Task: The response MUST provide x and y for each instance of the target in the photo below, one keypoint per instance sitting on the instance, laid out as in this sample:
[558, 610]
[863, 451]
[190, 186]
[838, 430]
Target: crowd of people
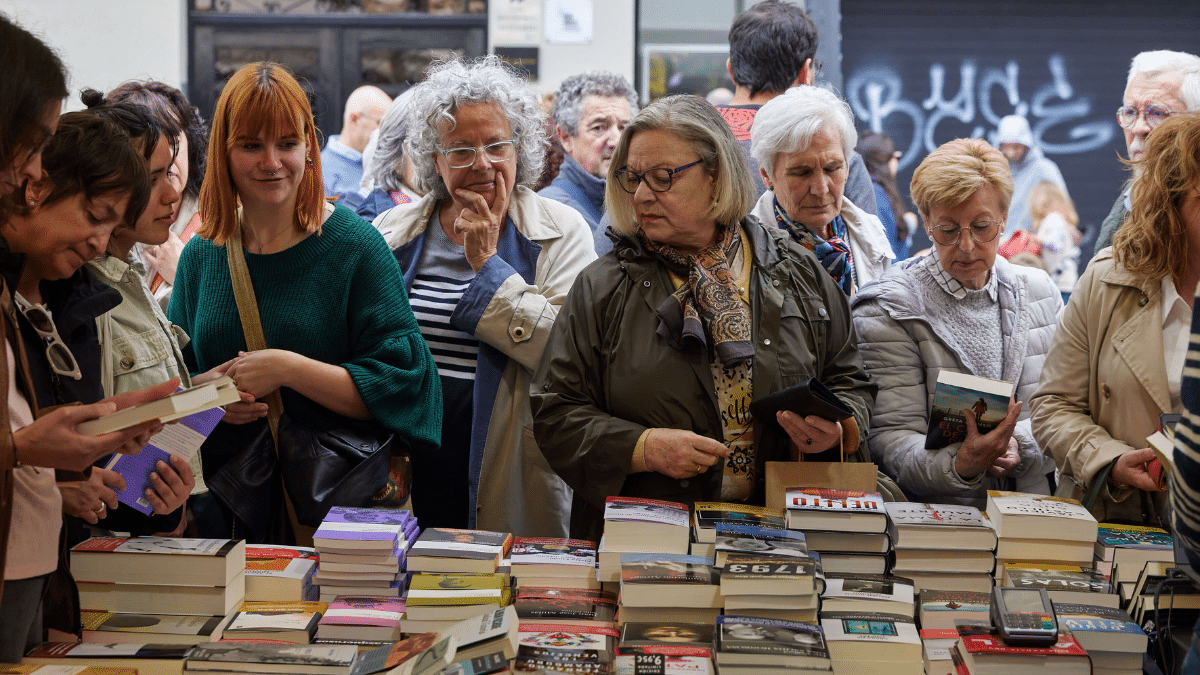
[518, 356]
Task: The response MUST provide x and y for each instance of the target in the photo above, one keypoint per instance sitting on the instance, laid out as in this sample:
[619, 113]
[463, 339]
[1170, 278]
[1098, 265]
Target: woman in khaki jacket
[1117, 358]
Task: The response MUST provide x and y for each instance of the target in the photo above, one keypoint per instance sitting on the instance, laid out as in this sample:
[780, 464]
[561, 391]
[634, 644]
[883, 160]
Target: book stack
[363, 551]
[870, 643]
[1063, 583]
[280, 573]
[1040, 528]
[158, 575]
[239, 657]
[982, 652]
[669, 587]
[491, 637]
[566, 606]
[938, 650]
[436, 602]
[1182, 599]
[707, 515]
[361, 619]
[870, 593]
[942, 547]
[1122, 551]
[1115, 643]
[144, 658]
[294, 622]
[564, 649]
[554, 563]
[776, 587]
[755, 646]
[847, 527]
[633, 525]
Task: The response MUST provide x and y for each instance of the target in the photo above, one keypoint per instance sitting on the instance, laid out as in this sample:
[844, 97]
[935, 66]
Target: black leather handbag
[346, 465]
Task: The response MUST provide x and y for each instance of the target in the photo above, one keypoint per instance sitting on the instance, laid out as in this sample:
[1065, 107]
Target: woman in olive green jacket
[697, 311]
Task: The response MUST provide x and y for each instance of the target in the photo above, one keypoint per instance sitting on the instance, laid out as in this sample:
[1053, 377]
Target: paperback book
[280, 573]
[448, 550]
[363, 617]
[377, 530]
[294, 622]
[768, 575]
[158, 560]
[766, 541]
[1067, 583]
[983, 651]
[867, 593]
[941, 609]
[707, 515]
[835, 510]
[649, 525]
[569, 649]
[745, 640]
[109, 628]
[668, 580]
[1029, 516]
[939, 526]
[958, 395]
[272, 658]
[574, 606]
[553, 557]
[1101, 629]
[657, 633]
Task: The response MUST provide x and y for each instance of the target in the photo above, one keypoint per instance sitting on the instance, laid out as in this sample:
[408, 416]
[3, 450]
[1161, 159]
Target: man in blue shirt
[342, 158]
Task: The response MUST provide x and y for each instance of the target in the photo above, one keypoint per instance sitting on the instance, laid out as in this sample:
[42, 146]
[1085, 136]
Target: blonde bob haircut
[260, 99]
[1049, 197]
[953, 173]
[1153, 241]
[695, 121]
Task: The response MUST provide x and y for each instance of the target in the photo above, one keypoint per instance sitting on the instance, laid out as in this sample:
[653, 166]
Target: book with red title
[983, 651]
[549, 557]
[810, 508]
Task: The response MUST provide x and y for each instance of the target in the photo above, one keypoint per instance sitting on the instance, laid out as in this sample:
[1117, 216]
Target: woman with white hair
[696, 312]
[387, 168]
[487, 263]
[801, 141]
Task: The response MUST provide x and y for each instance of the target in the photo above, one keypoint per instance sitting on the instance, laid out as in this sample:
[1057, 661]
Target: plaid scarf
[707, 303]
[833, 253]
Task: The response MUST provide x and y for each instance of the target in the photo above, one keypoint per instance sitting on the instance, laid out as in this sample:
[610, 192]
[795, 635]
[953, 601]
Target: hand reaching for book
[92, 498]
[682, 454]
[1130, 470]
[980, 452]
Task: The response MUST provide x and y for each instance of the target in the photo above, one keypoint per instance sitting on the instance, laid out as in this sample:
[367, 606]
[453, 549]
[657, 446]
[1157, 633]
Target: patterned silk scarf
[707, 300]
[834, 253]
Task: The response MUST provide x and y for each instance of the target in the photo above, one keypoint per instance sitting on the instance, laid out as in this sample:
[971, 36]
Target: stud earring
[310, 160]
[771, 188]
[32, 202]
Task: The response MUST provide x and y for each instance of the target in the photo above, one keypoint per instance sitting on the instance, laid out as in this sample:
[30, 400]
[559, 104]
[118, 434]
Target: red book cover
[979, 639]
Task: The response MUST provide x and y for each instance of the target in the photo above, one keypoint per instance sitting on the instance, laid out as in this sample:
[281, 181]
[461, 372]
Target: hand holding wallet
[807, 398]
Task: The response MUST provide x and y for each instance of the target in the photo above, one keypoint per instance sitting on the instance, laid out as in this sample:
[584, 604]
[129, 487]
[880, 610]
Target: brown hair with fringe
[1153, 241]
[261, 98]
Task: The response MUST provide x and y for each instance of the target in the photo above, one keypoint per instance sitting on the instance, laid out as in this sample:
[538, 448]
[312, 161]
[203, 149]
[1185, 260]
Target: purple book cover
[364, 524]
[183, 438]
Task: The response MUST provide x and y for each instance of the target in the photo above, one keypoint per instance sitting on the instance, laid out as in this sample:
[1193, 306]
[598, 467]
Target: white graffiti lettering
[876, 93]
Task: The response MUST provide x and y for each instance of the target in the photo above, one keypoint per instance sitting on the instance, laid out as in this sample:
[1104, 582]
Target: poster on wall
[516, 22]
[569, 21]
[684, 69]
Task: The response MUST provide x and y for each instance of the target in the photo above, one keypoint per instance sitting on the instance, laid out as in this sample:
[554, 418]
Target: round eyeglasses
[982, 232]
[461, 158]
[1127, 115]
[658, 180]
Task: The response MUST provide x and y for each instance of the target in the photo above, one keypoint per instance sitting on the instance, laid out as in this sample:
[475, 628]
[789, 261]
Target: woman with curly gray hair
[487, 264]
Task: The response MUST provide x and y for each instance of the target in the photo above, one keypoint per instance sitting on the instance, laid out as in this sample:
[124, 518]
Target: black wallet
[806, 398]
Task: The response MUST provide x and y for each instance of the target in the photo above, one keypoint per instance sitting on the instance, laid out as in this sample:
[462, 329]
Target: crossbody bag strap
[243, 293]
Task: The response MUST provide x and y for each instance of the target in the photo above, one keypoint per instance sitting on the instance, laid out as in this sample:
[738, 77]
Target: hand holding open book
[54, 441]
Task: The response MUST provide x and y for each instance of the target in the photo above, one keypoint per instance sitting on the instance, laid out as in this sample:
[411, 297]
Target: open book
[219, 392]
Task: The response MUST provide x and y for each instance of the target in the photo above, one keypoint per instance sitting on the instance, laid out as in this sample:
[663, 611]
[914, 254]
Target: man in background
[1160, 84]
[771, 49]
[342, 158]
[1028, 165]
[590, 112]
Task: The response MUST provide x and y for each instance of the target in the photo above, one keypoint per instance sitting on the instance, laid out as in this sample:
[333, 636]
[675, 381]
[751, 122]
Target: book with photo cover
[649, 633]
[706, 516]
[1101, 629]
[566, 605]
[768, 575]
[807, 398]
[456, 589]
[110, 628]
[941, 609]
[669, 580]
[272, 658]
[753, 641]
[868, 593]
[420, 654]
[551, 557]
[959, 394]
[733, 539]
[982, 648]
[871, 636]
[440, 549]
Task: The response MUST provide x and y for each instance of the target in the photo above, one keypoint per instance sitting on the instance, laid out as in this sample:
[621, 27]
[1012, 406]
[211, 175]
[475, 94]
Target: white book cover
[1001, 504]
[646, 510]
[839, 501]
[869, 587]
[869, 627]
[947, 515]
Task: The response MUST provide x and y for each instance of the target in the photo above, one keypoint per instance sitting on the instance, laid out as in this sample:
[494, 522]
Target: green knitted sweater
[337, 297]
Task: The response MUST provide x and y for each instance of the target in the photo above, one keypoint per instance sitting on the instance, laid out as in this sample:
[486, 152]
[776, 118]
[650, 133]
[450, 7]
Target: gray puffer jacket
[904, 343]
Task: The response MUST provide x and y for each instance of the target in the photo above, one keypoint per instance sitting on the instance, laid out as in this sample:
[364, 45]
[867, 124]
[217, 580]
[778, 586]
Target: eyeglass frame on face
[959, 230]
[641, 177]
[475, 153]
[55, 340]
[1124, 111]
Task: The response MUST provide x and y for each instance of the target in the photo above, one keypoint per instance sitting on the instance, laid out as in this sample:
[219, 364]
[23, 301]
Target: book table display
[837, 582]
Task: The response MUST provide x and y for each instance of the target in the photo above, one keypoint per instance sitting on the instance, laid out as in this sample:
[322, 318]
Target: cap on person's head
[1014, 129]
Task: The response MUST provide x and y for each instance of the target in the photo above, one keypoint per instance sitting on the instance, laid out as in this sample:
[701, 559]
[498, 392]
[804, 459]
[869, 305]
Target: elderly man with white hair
[1160, 84]
[342, 158]
[1029, 167]
[802, 141]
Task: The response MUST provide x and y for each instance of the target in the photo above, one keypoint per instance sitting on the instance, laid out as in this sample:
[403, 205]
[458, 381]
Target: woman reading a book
[342, 345]
[962, 309]
[489, 262]
[696, 312]
[1117, 360]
